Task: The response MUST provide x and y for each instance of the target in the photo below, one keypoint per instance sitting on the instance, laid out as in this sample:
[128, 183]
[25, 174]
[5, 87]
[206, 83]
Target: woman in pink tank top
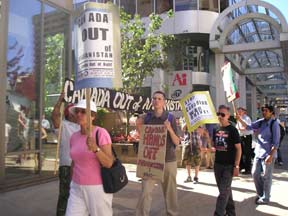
[87, 196]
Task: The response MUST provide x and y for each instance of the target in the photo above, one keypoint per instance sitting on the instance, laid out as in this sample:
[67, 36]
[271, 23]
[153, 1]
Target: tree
[54, 46]
[142, 49]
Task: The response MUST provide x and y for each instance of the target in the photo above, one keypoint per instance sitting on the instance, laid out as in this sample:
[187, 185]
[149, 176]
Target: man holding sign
[160, 117]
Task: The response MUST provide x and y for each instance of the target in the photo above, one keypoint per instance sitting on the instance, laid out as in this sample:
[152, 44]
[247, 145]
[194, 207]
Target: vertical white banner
[97, 46]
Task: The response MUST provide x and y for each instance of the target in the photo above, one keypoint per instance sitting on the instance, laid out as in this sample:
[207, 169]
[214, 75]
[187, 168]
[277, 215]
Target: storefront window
[211, 5]
[163, 6]
[196, 58]
[181, 5]
[21, 94]
[33, 60]
[56, 33]
[129, 6]
[145, 7]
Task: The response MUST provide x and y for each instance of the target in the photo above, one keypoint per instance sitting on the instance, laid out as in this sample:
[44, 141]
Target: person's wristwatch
[236, 166]
[97, 150]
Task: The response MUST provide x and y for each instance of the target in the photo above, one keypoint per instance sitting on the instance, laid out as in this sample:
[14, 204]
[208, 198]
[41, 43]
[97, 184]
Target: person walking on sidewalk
[87, 196]
[268, 136]
[169, 186]
[68, 127]
[227, 158]
[246, 141]
[193, 155]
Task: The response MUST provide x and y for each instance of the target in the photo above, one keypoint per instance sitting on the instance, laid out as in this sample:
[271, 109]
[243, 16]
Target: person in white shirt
[68, 128]
[246, 141]
[45, 123]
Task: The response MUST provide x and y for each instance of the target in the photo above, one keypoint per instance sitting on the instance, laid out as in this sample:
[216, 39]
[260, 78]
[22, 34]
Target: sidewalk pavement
[193, 199]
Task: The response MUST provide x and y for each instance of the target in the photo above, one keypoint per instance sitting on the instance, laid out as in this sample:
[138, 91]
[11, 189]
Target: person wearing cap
[169, 184]
[226, 141]
[265, 153]
[87, 196]
[246, 141]
[68, 127]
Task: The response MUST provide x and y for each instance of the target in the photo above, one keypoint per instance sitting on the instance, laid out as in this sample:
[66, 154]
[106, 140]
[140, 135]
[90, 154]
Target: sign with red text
[97, 46]
[180, 84]
[151, 152]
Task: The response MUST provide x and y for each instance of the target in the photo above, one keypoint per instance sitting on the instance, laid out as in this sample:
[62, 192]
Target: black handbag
[115, 177]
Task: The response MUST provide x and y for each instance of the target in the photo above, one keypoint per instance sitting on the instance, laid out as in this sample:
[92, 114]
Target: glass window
[129, 6]
[181, 5]
[145, 7]
[196, 58]
[22, 76]
[211, 5]
[163, 6]
[56, 34]
[26, 58]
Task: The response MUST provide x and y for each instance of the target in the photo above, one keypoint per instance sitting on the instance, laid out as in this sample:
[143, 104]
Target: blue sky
[282, 5]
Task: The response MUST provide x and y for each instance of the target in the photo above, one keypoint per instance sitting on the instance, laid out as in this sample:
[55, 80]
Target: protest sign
[228, 82]
[198, 109]
[152, 151]
[97, 46]
[116, 100]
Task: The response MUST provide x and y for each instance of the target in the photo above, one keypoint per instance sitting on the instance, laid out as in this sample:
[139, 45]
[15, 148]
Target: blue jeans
[262, 176]
[225, 204]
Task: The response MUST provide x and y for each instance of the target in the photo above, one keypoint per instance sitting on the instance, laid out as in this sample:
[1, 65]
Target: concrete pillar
[262, 99]
[220, 94]
[254, 102]
[3, 79]
[242, 101]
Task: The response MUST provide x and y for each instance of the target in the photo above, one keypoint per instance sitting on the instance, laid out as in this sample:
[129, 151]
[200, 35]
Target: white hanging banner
[97, 46]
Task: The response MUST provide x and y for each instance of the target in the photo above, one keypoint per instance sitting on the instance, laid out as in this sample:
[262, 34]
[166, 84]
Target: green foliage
[54, 46]
[100, 116]
[142, 48]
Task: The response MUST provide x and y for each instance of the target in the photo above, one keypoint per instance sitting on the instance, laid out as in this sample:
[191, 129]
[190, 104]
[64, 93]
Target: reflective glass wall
[37, 63]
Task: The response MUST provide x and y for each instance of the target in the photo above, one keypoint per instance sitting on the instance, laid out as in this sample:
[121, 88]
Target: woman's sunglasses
[221, 114]
[82, 111]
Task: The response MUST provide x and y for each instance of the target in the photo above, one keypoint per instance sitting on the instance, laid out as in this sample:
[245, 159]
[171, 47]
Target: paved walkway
[196, 200]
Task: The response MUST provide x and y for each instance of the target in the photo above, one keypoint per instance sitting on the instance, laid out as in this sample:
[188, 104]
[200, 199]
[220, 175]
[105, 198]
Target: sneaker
[262, 202]
[195, 180]
[280, 163]
[189, 179]
[256, 199]
[246, 172]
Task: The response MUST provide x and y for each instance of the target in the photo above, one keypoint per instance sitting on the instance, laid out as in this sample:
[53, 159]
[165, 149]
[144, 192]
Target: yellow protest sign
[198, 109]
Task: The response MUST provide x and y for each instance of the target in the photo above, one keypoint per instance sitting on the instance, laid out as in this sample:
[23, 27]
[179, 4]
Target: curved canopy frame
[253, 36]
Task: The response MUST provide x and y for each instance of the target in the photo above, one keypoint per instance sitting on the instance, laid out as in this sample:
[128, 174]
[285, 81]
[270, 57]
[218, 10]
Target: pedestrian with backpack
[265, 153]
[282, 134]
[169, 184]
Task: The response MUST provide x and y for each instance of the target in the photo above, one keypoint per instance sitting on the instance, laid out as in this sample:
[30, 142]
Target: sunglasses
[82, 111]
[221, 114]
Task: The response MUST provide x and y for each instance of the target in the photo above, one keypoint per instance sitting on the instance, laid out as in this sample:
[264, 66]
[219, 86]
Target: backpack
[149, 116]
[282, 130]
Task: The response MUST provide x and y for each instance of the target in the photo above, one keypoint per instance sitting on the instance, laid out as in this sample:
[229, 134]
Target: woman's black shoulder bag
[115, 177]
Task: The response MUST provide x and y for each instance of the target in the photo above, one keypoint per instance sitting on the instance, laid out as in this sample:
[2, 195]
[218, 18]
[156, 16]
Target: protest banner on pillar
[97, 46]
[229, 86]
[198, 109]
[151, 152]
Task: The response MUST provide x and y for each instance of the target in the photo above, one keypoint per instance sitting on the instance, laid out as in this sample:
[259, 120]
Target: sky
[282, 5]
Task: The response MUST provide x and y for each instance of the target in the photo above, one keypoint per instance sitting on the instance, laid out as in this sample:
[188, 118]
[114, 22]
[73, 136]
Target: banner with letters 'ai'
[97, 46]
